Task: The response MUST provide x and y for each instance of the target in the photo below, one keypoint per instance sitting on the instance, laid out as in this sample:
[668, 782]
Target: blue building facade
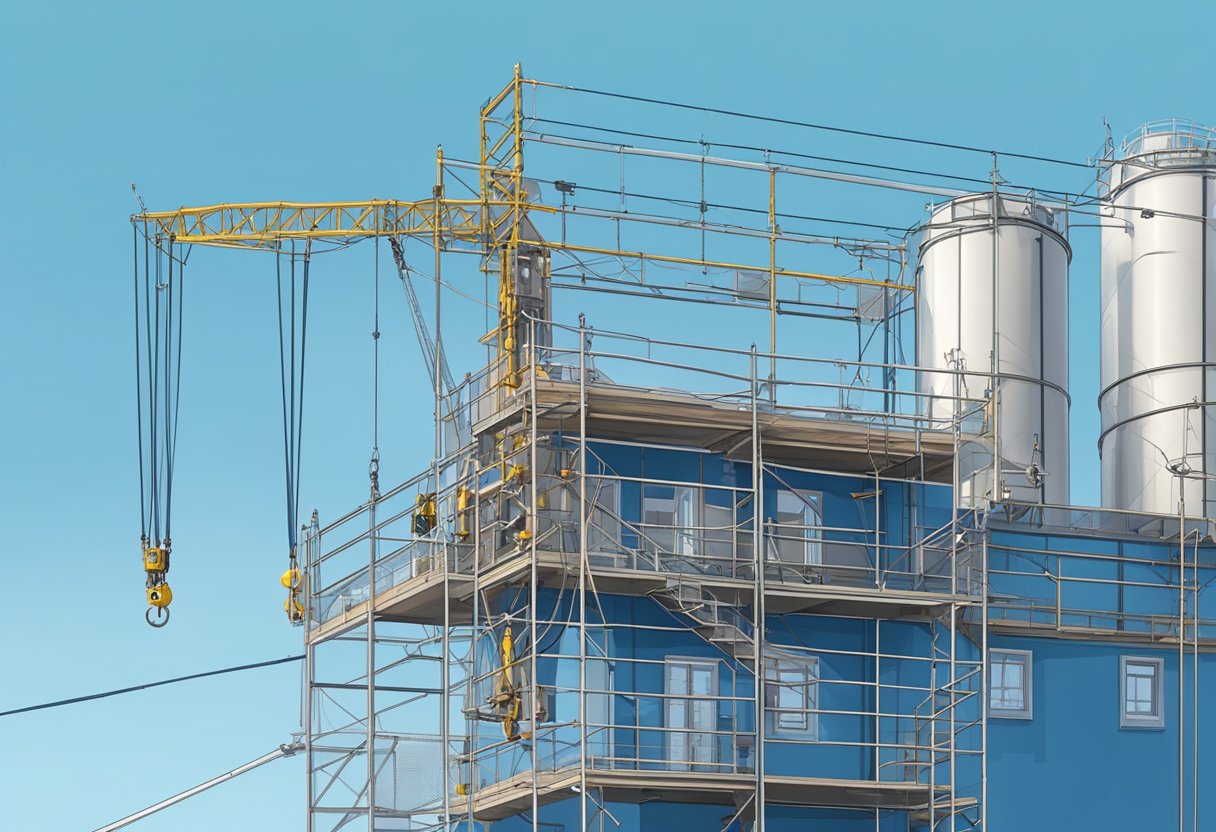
[922, 666]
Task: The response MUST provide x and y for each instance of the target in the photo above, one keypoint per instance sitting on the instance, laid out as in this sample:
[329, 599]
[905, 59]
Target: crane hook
[162, 616]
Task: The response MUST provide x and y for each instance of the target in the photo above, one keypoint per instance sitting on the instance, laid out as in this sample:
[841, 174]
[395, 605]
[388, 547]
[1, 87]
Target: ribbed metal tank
[962, 289]
[1158, 314]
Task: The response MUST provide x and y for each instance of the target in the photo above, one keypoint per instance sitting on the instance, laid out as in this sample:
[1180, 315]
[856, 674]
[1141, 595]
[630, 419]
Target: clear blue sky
[223, 101]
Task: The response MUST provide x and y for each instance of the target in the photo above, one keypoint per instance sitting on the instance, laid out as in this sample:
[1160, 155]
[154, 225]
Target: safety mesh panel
[410, 776]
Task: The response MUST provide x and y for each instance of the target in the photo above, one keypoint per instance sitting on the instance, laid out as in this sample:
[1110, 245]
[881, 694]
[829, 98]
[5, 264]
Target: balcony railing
[688, 530]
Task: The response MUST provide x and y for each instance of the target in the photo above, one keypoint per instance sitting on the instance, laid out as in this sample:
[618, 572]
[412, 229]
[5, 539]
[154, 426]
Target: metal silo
[1158, 245]
[963, 287]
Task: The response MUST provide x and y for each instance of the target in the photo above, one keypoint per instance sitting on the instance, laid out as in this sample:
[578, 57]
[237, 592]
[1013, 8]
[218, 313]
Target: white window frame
[1156, 719]
[1026, 659]
[807, 542]
[808, 668]
[686, 513]
[682, 746]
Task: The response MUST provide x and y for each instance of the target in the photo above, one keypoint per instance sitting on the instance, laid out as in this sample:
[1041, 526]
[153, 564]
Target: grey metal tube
[285, 750]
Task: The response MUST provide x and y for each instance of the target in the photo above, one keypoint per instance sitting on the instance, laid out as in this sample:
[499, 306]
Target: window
[1141, 692]
[692, 713]
[799, 522]
[793, 696]
[605, 531]
[1009, 684]
[671, 516]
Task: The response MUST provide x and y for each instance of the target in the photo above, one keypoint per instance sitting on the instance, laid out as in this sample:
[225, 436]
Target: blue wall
[1071, 766]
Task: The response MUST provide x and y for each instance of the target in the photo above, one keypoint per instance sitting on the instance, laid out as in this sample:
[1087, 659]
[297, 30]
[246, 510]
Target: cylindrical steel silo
[1158, 314]
[1001, 318]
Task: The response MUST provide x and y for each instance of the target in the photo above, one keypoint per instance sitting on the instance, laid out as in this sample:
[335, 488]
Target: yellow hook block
[294, 609]
[160, 595]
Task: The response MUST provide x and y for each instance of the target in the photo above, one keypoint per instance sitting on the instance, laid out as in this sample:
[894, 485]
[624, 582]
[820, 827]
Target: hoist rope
[291, 378]
[278, 267]
[158, 360]
[376, 358]
[151, 301]
[172, 383]
[139, 393]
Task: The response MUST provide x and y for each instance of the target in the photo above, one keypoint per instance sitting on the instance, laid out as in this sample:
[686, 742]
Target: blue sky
[201, 103]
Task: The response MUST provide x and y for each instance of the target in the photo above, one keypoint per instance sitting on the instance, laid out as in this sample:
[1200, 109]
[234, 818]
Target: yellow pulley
[292, 578]
[159, 595]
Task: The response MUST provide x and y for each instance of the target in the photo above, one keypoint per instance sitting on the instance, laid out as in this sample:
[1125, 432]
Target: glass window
[793, 696]
[691, 721]
[1141, 692]
[719, 533]
[671, 517]
[799, 526]
[1009, 684]
[604, 526]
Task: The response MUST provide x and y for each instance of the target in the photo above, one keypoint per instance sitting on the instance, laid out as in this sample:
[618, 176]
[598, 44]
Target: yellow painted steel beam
[264, 224]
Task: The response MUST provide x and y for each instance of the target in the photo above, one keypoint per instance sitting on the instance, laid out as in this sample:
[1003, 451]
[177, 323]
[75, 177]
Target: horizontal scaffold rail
[265, 224]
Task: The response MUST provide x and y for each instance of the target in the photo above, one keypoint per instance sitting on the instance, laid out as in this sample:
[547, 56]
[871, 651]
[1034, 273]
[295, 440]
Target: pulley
[293, 581]
[159, 595]
[292, 578]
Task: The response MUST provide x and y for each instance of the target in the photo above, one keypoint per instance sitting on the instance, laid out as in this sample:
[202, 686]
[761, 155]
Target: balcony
[643, 536]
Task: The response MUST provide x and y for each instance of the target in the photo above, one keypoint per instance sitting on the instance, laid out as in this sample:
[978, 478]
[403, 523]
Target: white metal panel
[1156, 322]
[960, 327]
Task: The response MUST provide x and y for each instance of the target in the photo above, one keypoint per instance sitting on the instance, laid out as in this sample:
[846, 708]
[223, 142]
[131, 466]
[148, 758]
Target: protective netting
[411, 779]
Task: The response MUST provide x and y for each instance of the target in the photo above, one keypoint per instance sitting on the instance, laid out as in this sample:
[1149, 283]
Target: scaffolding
[547, 510]
[463, 659]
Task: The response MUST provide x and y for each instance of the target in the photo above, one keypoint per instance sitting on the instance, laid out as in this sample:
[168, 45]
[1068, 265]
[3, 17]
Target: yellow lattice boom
[266, 224]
